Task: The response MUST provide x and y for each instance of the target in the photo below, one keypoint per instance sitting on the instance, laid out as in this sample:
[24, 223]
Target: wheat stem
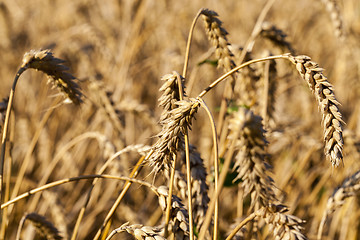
[101, 171]
[188, 170]
[222, 177]
[243, 222]
[188, 44]
[321, 226]
[34, 140]
[220, 79]
[73, 179]
[171, 188]
[126, 187]
[5, 130]
[216, 164]
[4, 222]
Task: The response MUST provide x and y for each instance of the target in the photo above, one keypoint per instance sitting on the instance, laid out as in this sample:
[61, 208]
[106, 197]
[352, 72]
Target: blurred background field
[119, 50]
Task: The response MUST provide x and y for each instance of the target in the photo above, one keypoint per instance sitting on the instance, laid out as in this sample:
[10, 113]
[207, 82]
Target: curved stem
[74, 179]
[31, 148]
[169, 199]
[222, 177]
[126, 187]
[188, 168]
[245, 221]
[101, 171]
[189, 42]
[5, 130]
[321, 226]
[220, 79]
[216, 165]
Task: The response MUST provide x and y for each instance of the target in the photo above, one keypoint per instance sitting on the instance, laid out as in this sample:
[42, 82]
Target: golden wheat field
[246, 112]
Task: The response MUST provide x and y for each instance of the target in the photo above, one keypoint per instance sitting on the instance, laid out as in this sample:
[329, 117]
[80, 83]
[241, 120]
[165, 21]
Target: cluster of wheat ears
[226, 190]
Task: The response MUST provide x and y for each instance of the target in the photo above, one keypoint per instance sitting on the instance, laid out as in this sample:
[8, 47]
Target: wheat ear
[331, 117]
[44, 227]
[246, 129]
[43, 61]
[350, 187]
[282, 225]
[170, 136]
[179, 220]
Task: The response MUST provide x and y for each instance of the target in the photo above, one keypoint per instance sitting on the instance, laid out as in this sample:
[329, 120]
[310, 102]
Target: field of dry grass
[114, 116]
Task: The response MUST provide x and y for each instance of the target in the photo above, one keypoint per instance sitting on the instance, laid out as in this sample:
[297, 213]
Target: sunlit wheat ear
[336, 18]
[45, 228]
[277, 36]
[282, 225]
[350, 187]
[217, 36]
[43, 60]
[331, 117]
[173, 129]
[179, 217]
[170, 93]
[247, 130]
[139, 231]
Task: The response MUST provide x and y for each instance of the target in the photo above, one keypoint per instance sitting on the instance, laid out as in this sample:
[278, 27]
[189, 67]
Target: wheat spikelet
[170, 95]
[139, 231]
[217, 36]
[170, 137]
[247, 130]
[282, 225]
[43, 60]
[277, 36]
[336, 18]
[331, 116]
[179, 217]
[45, 228]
